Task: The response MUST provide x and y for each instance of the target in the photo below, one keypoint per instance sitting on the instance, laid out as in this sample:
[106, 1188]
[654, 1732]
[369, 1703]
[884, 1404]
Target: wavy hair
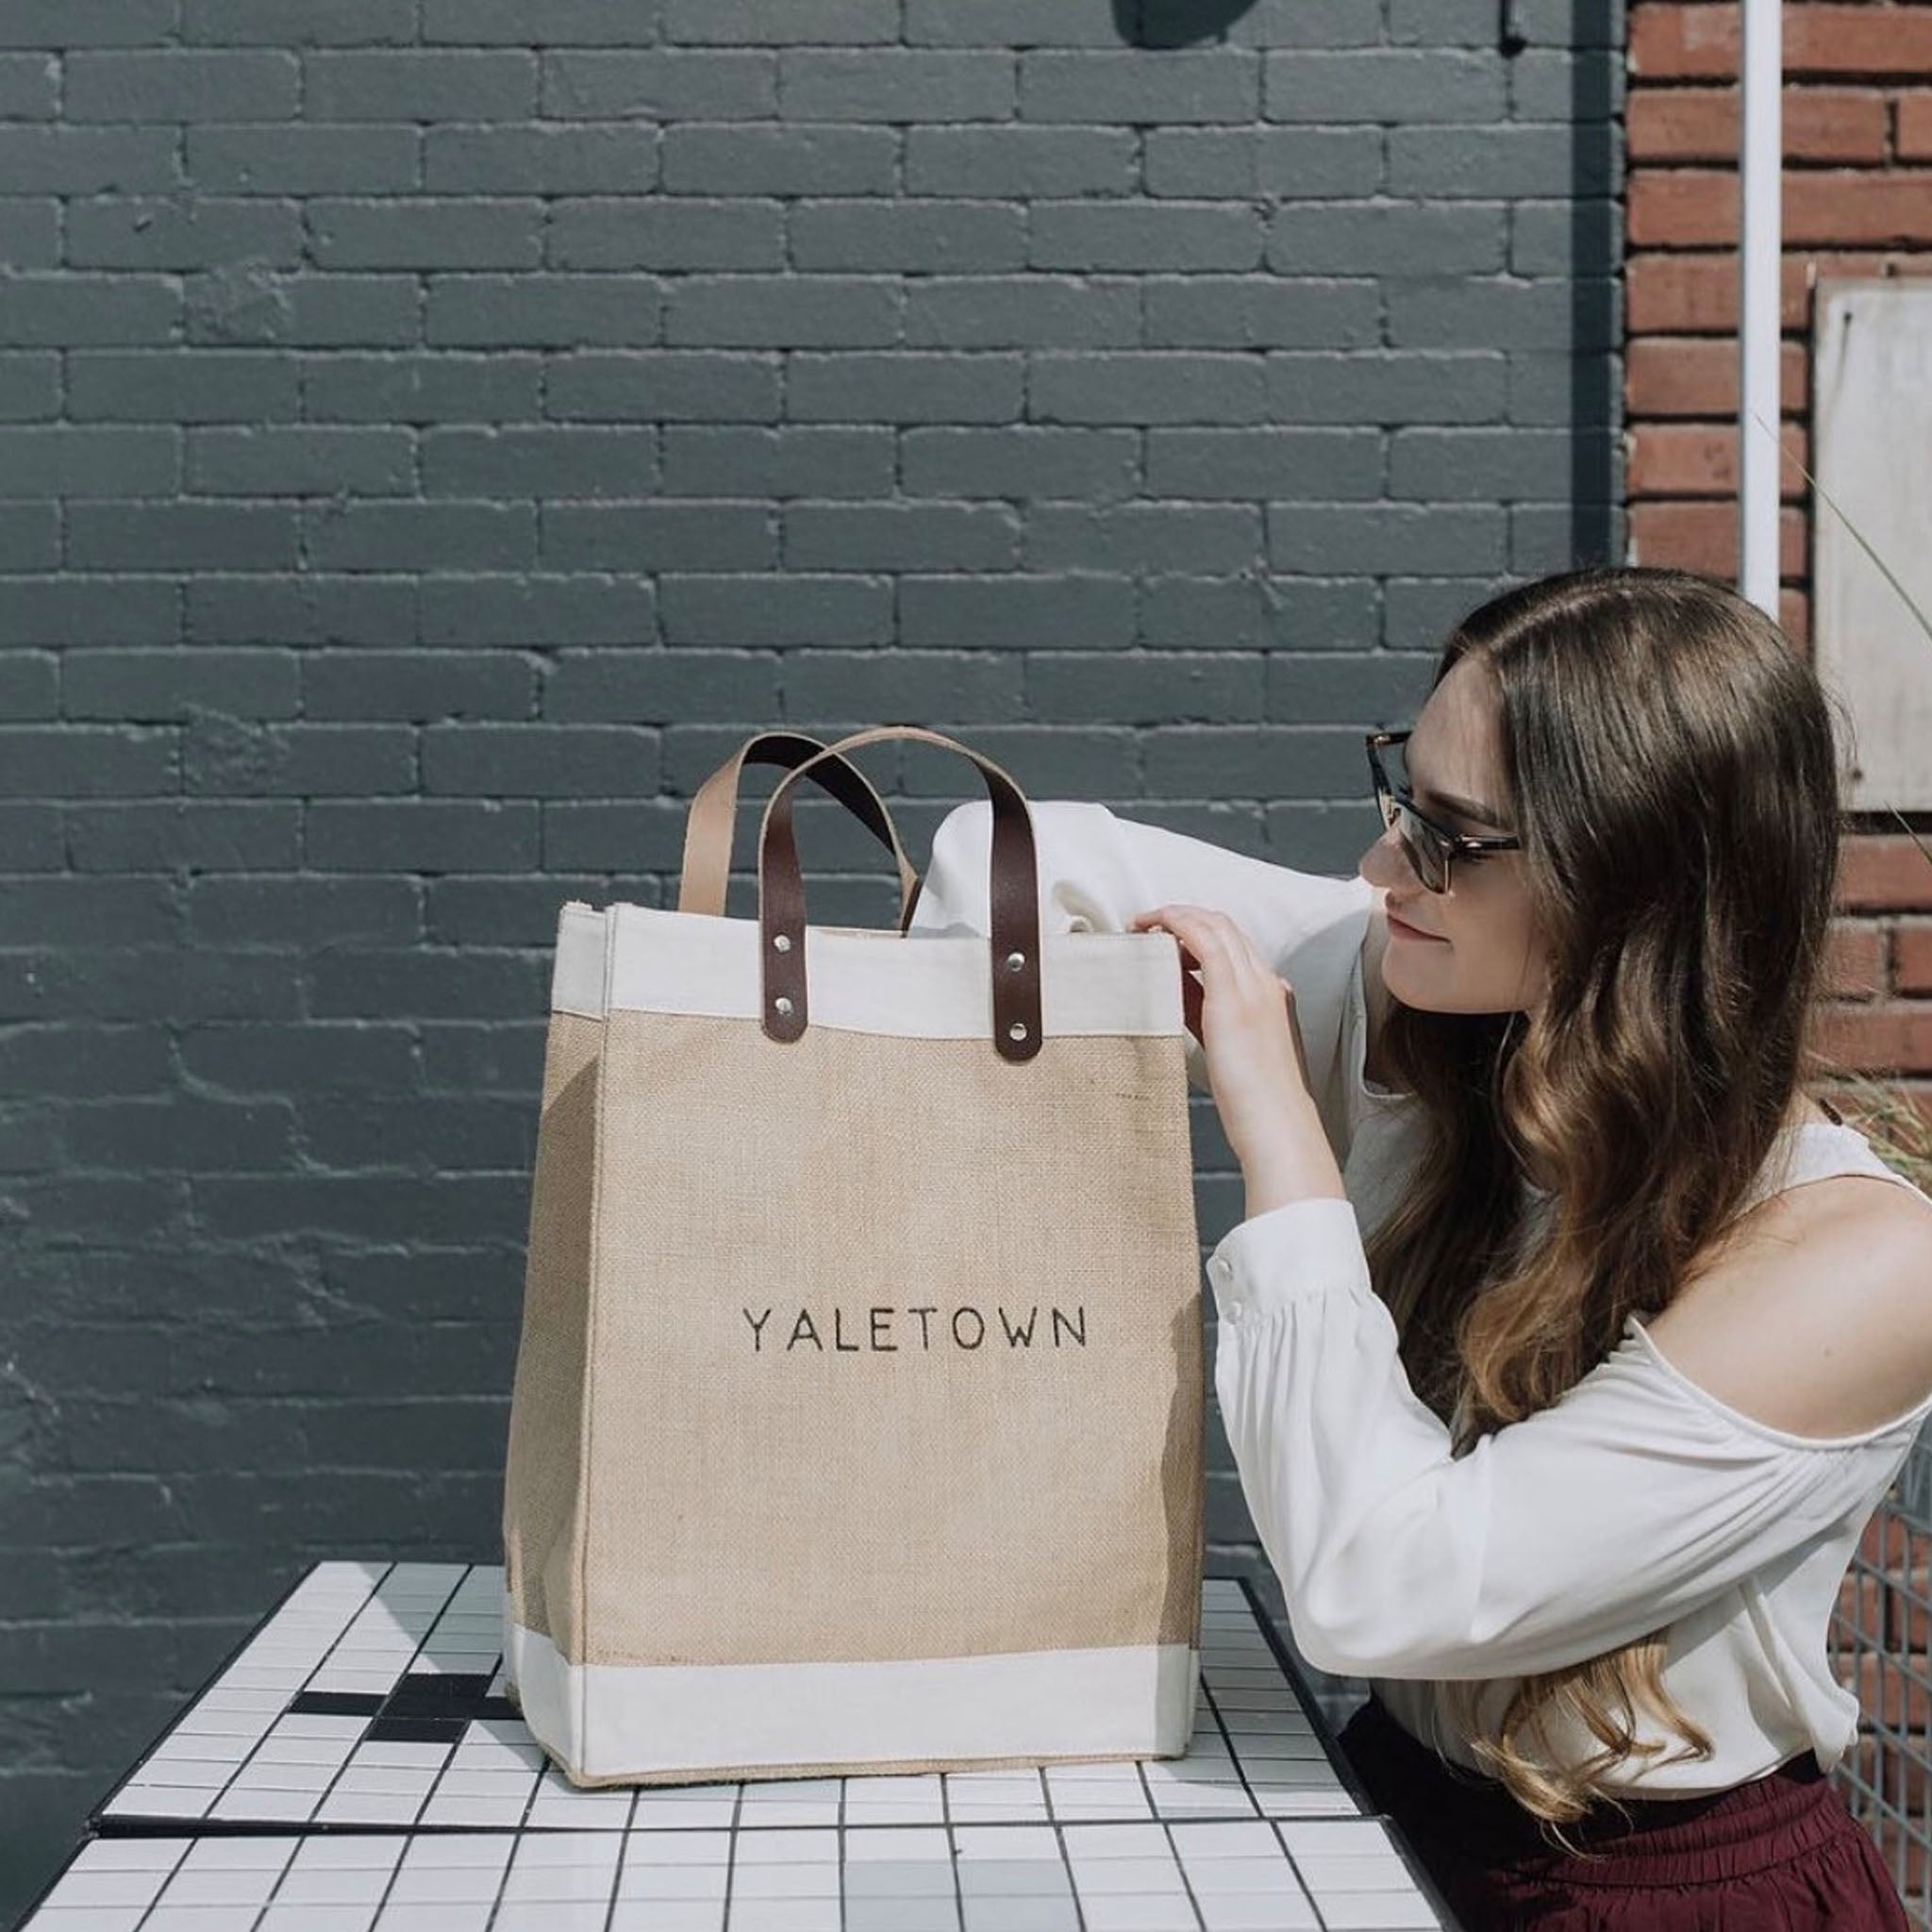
[1670, 764]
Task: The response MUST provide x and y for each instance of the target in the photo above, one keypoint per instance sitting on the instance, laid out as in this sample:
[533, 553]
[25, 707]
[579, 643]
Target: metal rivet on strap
[1015, 960]
[783, 943]
[784, 1006]
[1017, 1030]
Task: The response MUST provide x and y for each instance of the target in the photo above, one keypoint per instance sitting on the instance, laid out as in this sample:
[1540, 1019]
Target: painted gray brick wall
[433, 432]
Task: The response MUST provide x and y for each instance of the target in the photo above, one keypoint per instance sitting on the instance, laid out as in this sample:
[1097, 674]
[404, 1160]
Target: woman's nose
[1383, 864]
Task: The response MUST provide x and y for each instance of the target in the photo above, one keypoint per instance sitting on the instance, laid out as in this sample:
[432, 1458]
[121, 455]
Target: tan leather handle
[1013, 896]
[710, 826]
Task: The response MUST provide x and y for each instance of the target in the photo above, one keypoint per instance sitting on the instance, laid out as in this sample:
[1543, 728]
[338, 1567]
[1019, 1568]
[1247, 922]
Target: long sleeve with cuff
[1627, 1503]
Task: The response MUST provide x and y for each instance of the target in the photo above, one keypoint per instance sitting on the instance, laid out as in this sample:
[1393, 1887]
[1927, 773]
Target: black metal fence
[1879, 1639]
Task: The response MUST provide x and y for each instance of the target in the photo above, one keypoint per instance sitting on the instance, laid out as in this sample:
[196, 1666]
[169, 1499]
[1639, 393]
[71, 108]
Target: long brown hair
[1669, 763]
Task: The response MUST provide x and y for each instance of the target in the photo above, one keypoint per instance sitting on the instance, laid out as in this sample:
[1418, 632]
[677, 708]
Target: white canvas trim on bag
[626, 1720]
[576, 974]
[925, 986]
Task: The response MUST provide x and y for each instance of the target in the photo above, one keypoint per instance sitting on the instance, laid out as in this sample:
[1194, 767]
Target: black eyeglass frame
[1448, 844]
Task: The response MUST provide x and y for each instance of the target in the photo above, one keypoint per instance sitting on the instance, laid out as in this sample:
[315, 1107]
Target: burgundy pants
[1781, 1854]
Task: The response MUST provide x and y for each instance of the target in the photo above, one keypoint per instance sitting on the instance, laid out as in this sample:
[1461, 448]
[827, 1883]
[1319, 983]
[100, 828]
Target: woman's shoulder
[1815, 1317]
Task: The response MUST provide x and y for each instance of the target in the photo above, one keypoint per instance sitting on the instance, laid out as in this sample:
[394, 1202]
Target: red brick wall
[1857, 200]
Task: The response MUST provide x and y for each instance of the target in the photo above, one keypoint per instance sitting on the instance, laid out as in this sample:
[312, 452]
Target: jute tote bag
[856, 1423]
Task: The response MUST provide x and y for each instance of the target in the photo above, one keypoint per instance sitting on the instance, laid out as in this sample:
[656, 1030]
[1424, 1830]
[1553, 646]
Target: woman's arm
[1625, 1503]
[1097, 870]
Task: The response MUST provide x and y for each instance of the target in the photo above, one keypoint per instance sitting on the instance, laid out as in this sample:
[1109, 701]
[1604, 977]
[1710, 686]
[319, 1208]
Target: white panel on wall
[1871, 422]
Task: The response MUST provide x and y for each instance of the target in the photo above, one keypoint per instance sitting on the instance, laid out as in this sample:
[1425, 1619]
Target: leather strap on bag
[712, 823]
[1013, 896]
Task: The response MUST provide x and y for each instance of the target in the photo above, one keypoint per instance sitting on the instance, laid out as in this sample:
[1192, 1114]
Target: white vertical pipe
[1760, 244]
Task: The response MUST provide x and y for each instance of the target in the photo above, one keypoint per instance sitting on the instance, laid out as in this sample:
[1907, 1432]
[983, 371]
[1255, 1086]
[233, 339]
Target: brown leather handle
[712, 823]
[1013, 896]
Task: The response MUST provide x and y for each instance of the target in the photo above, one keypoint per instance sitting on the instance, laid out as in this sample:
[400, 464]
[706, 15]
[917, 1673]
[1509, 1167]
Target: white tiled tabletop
[301, 1730]
[357, 1768]
[1253, 1876]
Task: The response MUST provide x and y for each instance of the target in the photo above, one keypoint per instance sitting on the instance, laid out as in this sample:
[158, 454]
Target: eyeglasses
[1428, 846]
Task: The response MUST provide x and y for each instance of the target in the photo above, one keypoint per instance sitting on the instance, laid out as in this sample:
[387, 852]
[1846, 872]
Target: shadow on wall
[1595, 274]
[1175, 23]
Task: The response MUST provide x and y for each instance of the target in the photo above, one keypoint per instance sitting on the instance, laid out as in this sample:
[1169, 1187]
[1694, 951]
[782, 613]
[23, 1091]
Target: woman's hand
[1242, 1013]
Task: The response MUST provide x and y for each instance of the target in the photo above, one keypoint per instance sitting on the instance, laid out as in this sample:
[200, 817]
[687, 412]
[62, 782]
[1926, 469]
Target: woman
[1570, 1458]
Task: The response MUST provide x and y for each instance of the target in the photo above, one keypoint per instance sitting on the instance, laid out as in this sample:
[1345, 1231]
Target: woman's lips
[1402, 929]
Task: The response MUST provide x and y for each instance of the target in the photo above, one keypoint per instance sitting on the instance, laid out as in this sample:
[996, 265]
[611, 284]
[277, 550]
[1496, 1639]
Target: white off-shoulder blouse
[1636, 1502]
